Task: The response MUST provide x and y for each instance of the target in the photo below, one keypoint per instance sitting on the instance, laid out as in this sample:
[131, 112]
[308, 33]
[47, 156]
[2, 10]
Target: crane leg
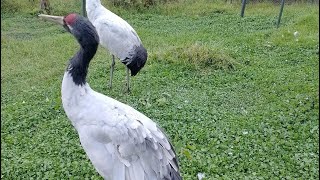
[128, 81]
[111, 71]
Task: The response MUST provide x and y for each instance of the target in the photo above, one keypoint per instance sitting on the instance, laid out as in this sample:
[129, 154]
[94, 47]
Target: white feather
[118, 171]
[115, 33]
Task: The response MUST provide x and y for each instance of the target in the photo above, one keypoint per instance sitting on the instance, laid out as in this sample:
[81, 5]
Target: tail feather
[175, 175]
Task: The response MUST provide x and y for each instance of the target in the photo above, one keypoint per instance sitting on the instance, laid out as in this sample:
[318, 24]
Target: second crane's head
[137, 60]
[79, 26]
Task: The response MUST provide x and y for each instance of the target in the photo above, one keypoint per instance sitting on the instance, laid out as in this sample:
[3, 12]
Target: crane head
[137, 61]
[79, 26]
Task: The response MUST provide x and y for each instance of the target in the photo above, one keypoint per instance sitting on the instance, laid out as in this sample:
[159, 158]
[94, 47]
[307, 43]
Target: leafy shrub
[59, 7]
[139, 3]
[198, 56]
[12, 6]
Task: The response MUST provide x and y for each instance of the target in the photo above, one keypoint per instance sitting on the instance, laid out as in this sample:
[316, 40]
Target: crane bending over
[121, 142]
[118, 37]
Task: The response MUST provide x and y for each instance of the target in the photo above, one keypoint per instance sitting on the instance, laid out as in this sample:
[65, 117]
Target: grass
[238, 97]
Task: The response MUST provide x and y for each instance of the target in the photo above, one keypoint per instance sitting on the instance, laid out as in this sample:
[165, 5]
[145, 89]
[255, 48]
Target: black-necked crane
[118, 37]
[121, 142]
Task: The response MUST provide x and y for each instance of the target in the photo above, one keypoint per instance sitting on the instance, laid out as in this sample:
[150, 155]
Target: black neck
[79, 63]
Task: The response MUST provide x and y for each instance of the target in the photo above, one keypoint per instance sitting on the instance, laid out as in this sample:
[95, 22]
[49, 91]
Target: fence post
[83, 8]
[281, 9]
[244, 2]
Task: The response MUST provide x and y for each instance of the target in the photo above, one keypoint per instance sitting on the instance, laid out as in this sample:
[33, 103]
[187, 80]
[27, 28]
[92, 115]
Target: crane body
[118, 37]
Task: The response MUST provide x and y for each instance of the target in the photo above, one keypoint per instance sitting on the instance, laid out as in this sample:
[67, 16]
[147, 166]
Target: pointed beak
[55, 19]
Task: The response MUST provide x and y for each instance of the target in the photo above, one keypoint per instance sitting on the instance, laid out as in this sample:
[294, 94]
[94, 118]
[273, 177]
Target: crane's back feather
[115, 33]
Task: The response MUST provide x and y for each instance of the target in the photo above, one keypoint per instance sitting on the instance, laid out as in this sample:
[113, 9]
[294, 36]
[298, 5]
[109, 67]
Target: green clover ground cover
[238, 97]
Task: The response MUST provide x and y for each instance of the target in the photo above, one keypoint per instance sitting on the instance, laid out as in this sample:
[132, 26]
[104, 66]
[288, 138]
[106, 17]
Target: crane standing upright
[121, 142]
[118, 37]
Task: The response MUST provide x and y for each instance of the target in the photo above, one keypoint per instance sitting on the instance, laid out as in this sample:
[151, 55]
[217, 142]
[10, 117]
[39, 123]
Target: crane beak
[55, 19]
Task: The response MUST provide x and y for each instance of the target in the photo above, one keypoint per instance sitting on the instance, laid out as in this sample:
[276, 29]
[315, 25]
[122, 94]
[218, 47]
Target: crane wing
[134, 145]
[117, 36]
